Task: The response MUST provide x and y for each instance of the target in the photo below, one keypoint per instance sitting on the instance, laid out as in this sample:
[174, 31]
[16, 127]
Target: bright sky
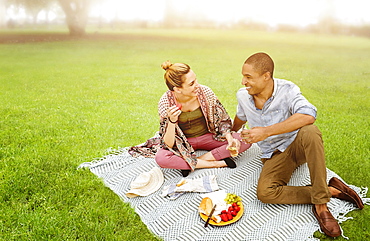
[273, 12]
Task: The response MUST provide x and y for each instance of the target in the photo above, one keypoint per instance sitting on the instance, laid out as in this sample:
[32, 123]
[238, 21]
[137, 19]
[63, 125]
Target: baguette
[206, 206]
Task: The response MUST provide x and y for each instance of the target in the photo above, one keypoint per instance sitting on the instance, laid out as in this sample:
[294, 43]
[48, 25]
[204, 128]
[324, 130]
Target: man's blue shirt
[285, 101]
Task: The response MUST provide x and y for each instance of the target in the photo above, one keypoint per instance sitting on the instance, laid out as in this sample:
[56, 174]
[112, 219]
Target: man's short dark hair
[261, 63]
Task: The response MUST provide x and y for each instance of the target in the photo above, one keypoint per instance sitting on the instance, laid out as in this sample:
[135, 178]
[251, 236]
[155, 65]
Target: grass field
[67, 102]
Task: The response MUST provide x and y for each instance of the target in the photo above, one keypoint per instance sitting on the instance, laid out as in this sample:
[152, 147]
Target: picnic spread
[177, 208]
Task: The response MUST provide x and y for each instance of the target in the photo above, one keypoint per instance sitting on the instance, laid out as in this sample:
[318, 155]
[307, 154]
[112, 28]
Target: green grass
[64, 103]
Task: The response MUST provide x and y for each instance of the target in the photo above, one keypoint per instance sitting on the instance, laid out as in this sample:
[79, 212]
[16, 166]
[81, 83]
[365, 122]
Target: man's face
[253, 81]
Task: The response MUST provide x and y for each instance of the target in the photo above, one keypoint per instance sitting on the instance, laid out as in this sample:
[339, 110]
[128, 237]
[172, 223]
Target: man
[281, 121]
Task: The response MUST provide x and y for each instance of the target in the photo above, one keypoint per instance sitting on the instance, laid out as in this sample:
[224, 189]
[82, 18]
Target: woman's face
[190, 84]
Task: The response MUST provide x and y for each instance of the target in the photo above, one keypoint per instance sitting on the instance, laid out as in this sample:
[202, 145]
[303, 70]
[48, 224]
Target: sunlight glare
[272, 12]
[130, 10]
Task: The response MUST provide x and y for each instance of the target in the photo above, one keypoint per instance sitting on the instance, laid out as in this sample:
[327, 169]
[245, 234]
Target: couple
[281, 123]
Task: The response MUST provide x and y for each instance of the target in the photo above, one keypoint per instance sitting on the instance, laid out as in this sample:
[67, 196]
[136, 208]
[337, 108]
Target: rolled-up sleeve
[300, 104]
[240, 111]
[308, 110]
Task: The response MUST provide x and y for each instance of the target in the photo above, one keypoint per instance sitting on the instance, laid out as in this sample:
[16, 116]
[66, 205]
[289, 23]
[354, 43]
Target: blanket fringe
[108, 153]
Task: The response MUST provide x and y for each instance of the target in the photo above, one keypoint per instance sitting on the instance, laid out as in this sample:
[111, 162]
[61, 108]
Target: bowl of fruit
[232, 210]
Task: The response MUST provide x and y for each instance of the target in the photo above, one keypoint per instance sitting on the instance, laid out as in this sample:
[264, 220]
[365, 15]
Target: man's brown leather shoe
[327, 222]
[347, 193]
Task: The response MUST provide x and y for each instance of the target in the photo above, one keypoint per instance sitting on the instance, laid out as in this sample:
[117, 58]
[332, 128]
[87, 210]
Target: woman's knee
[162, 158]
[167, 159]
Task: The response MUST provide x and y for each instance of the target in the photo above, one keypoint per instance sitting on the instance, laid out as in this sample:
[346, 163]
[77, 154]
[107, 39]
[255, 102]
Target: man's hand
[293, 123]
[254, 135]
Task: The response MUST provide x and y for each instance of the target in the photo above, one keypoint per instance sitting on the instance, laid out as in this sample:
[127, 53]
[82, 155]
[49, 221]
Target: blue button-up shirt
[285, 101]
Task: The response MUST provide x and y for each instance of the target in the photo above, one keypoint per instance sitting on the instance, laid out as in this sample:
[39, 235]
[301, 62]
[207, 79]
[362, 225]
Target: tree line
[77, 15]
[76, 11]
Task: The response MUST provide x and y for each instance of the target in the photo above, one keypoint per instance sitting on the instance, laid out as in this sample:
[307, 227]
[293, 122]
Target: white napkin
[203, 184]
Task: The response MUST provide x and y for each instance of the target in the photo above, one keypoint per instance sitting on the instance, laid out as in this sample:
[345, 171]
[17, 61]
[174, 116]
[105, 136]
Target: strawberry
[234, 205]
[223, 211]
[231, 208]
[229, 216]
[233, 213]
[237, 209]
[224, 217]
[179, 106]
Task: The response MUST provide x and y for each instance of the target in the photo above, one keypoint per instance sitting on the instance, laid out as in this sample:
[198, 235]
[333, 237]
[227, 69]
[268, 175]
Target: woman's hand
[233, 147]
[173, 113]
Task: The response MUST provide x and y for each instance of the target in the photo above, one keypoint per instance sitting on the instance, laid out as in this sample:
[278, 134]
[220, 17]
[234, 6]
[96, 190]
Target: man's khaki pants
[277, 171]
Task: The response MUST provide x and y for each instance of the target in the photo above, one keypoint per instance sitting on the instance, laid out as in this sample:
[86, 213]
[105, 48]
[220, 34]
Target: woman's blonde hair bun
[174, 73]
[166, 65]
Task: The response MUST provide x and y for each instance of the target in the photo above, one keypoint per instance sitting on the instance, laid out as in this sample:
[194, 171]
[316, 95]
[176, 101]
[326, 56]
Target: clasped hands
[248, 136]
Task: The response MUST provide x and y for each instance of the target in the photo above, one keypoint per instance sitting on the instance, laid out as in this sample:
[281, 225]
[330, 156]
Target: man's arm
[294, 122]
[237, 124]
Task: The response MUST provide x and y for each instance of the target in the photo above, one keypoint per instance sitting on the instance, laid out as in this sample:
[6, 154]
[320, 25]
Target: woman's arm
[170, 132]
[169, 136]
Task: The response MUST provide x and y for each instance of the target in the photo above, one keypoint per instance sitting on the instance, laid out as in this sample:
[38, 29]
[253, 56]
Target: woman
[192, 118]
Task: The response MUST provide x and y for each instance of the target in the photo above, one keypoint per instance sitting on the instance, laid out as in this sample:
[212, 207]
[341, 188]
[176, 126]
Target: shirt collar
[273, 92]
[275, 88]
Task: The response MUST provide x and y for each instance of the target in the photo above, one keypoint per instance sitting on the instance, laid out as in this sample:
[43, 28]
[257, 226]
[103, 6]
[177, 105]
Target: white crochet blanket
[179, 219]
